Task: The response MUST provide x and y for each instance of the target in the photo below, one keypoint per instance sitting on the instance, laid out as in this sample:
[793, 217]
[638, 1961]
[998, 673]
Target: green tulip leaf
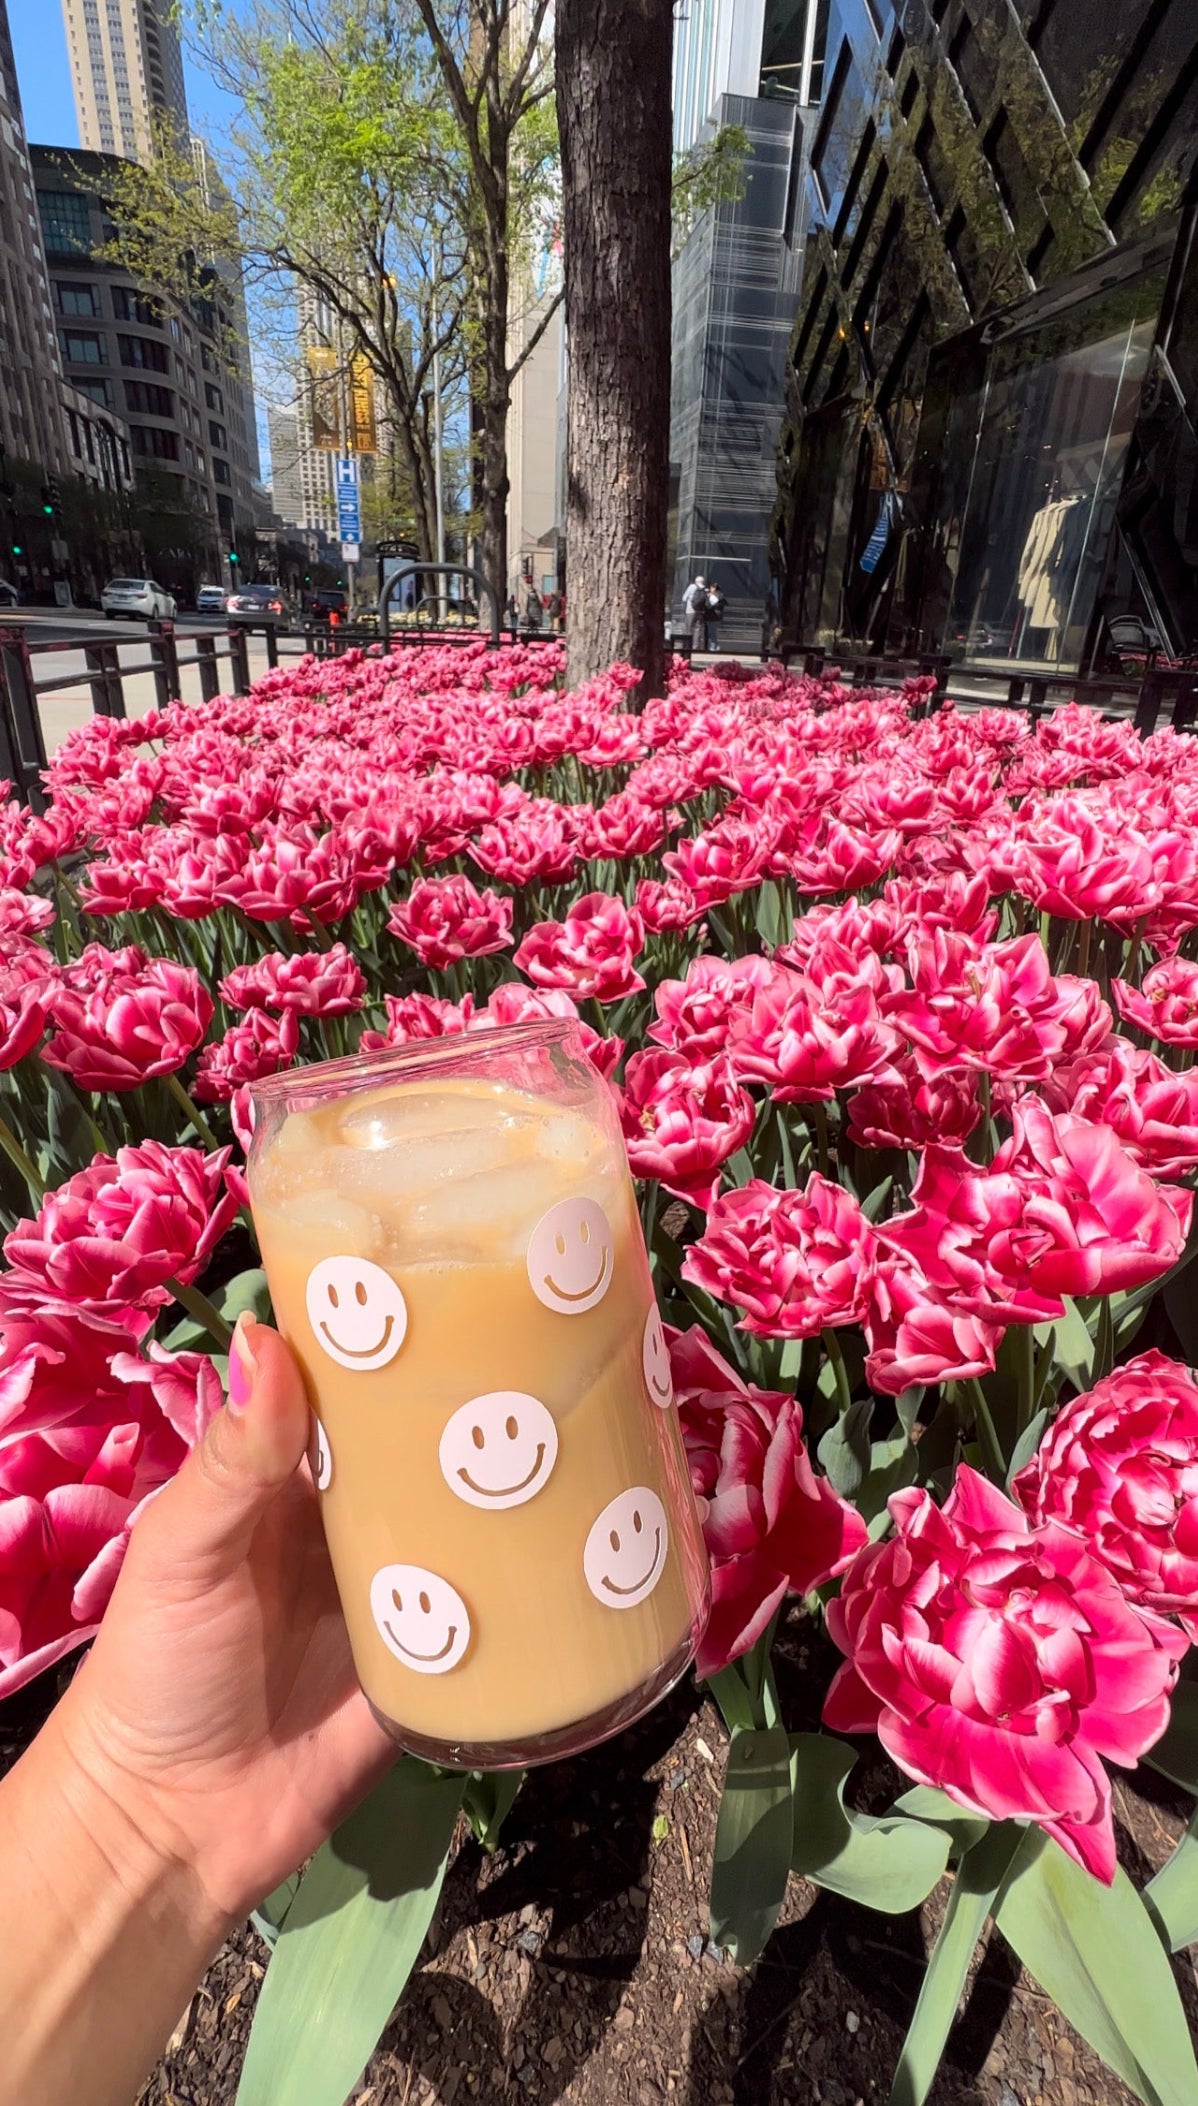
[488, 1800]
[270, 1915]
[924, 1803]
[979, 1877]
[754, 1831]
[1172, 1897]
[1175, 1754]
[349, 1941]
[1074, 1347]
[844, 1451]
[246, 1290]
[887, 1862]
[1027, 1444]
[1095, 1951]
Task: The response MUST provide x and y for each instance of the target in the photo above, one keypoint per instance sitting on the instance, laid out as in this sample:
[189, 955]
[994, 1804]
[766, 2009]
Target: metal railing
[1143, 695]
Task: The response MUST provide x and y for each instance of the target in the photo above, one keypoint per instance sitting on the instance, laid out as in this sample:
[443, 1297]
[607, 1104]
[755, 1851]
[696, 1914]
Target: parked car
[9, 596]
[325, 601]
[259, 607]
[140, 599]
[210, 599]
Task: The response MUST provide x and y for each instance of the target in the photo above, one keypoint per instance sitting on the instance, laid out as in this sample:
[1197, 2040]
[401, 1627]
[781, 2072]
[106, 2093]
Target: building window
[221, 472]
[66, 222]
[149, 440]
[143, 351]
[149, 400]
[217, 435]
[131, 306]
[83, 347]
[212, 397]
[96, 390]
[77, 299]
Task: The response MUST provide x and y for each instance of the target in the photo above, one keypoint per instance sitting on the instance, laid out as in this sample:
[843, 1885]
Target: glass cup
[455, 1256]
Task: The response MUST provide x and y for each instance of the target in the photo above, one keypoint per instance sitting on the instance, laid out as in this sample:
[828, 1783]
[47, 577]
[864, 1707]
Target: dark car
[258, 607]
[326, 601]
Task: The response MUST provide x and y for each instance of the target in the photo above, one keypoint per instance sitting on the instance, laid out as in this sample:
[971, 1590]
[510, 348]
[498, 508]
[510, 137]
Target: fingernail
[242, 1365]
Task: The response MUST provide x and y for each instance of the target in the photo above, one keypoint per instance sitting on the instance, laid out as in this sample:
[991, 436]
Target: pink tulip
[259, 1045]
[535, 848]
[23, 913]
[22, 1015]
[796, 1262]
[117, 1022]
[1082, 870]
[997, 1008]
[772, 1527]
[682, 1122]
[918, 1334]
[590, 953]
[309, 983]
[624, 827]
[694, 1016]
[114, 1234]
[671, 905]
[1152, 1109]
[444, 919]
[902, 1109]
[513, 1003]
[1165, 1004]
[1000, 1663]
[727, 859]
[1120, 1468]
[808, 1042]
[417, 1016]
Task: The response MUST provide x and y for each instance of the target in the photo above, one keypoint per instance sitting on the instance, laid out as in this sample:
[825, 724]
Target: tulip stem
[192, 1113]
[199, 1306]
[821, 1137]
[988, 1441]
[17, 1156]
[1027, 1376]
[844, 1394]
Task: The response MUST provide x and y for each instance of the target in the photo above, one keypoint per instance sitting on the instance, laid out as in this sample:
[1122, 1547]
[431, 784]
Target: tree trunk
[493, 436]
[614, 116]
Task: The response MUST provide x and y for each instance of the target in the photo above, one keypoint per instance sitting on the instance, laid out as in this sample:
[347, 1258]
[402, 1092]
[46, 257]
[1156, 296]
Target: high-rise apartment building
[236, 385]
[127, 71]
[31, 426]
[287, 490]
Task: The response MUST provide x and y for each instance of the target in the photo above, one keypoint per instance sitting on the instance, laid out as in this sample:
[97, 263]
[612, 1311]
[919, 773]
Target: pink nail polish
[242, 1365]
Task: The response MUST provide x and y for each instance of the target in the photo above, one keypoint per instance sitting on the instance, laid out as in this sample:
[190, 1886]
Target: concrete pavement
[70, 706]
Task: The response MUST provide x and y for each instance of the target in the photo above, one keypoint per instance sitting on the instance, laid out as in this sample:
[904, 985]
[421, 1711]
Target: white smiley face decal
[320, 1456]
[571, 1256]
[419, 1617]
[626, 1549]
[357, 1312]
[498, 1450]
[655, 1359]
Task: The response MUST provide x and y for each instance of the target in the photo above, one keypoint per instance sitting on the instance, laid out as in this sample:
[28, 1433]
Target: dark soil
[574, 1965]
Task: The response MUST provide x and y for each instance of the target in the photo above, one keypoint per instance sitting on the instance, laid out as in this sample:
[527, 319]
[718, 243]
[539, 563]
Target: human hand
[219, 1708]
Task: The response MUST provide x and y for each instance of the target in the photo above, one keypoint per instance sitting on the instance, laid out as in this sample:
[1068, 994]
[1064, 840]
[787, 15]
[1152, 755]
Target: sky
[44, 73]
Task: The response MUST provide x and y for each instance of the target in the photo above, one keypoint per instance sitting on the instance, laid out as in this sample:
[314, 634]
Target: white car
[138, 598]
[210, 599]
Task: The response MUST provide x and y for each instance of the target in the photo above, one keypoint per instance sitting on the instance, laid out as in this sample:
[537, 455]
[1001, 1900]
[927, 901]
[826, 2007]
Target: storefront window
[1058, 407]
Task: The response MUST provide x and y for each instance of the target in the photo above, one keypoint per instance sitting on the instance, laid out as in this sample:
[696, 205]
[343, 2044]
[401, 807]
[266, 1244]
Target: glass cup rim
[319, 1079]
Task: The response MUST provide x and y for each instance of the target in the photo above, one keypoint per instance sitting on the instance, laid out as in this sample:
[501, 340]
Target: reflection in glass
[1057, 415]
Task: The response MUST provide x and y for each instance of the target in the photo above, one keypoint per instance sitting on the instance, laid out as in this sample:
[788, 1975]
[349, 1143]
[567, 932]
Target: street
[67, 707]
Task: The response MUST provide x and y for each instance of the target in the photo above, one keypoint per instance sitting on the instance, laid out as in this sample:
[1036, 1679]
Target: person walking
[512, 612]
[532, 611]
[716, 604]
[694, 608]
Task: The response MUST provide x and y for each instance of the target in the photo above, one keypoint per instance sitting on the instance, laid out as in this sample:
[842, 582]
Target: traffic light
[17, 549]
[51, 496]
[233, 557]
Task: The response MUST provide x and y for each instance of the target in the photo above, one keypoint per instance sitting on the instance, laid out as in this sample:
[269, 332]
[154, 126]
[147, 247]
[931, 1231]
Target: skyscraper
[31, 425]
[127, 71]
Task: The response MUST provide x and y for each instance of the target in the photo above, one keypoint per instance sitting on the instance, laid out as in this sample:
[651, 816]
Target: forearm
[104, 1937]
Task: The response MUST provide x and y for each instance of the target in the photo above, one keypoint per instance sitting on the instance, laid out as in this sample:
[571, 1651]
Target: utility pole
[438, 468]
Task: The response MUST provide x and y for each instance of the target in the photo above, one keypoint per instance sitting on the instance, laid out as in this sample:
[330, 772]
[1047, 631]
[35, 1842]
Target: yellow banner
[322, 375]
[363, 426]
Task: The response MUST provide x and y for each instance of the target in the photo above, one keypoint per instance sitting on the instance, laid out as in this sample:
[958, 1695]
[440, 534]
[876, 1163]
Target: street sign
[349, 510]
[351, 551]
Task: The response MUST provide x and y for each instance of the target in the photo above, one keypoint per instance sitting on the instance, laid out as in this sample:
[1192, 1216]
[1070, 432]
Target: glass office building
[990, 440]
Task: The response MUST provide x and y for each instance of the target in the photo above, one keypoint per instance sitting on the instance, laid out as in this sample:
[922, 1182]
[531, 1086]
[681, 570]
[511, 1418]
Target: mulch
[574, 1964]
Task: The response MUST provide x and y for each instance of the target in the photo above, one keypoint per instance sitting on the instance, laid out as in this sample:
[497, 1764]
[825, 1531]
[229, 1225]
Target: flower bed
[900, 1016]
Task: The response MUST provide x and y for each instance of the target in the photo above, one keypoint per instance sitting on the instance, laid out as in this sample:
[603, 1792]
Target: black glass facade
[990, 442]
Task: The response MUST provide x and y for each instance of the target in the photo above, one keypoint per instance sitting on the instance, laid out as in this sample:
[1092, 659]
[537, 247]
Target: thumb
[249, 1453]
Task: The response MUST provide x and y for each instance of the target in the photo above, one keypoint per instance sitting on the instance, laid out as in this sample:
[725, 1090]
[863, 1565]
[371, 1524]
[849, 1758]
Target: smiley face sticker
[626, 1548]
[571, 1255]
[356, 1311]
[498, 1450]
[420, 1618]
[655, 1360]
[320, 1456]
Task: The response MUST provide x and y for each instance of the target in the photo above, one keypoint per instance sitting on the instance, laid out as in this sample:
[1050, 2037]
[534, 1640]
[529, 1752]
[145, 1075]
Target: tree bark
[614, 117]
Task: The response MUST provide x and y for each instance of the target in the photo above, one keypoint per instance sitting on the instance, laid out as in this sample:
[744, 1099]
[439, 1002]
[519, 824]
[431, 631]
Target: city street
[75, 628]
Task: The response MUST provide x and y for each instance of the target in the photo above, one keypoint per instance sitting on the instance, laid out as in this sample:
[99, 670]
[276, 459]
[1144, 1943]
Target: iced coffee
[454, 1253]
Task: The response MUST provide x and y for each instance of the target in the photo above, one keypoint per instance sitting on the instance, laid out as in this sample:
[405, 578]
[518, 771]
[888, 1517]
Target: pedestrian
[694, 609]
[716, 605]
[532, 610]
[512, 613]
[553, 608]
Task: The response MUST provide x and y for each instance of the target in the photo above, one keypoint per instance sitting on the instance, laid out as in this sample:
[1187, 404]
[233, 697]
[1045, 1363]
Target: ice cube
[298, 1136]
[488, 1215]
[334, 1222]
[570, 1140]
[389, 1117]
